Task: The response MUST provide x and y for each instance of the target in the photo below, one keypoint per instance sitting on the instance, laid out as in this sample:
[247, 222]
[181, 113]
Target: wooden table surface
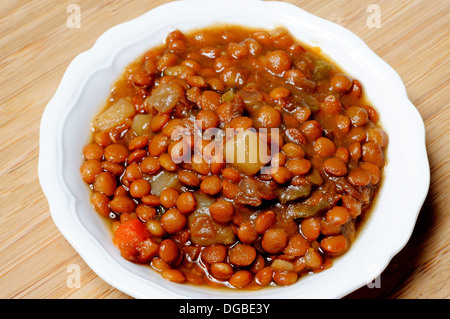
[38, 40]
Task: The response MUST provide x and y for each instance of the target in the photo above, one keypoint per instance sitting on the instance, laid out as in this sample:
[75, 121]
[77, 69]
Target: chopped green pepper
[321, 70]
[300, 210]
[292, 193]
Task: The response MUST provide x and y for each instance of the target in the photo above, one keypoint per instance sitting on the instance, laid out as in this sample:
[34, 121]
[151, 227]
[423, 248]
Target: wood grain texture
[36, 46]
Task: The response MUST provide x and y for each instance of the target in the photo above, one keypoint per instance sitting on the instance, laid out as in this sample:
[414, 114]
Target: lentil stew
[234, 157]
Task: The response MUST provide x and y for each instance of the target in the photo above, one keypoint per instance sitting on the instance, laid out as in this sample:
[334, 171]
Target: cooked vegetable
[300, 210]
[114, 116]
[142, 124]
[204, 230]
[247, 152]
[292, 193]
[165, 97]
[228, 96]
[164, 180]
[321, 69]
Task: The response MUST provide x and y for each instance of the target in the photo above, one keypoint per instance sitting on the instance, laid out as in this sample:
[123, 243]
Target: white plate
[87, 83]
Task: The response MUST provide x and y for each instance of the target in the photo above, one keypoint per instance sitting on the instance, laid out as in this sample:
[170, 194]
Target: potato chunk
[114, 116]
[247, 151]
[165, 97]
[141, 124]
[163, 180]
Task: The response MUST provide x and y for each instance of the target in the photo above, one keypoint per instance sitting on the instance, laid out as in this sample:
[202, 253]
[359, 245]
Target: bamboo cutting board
[38, 40]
